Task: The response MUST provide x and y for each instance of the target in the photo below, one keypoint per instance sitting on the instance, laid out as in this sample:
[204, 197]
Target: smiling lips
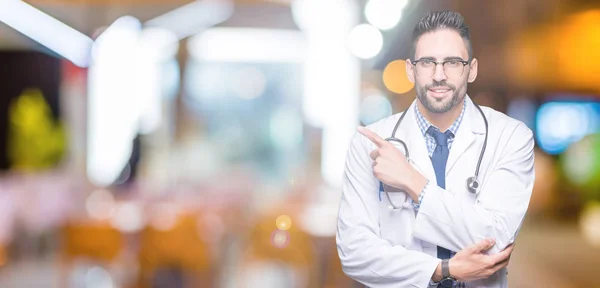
[439, 91]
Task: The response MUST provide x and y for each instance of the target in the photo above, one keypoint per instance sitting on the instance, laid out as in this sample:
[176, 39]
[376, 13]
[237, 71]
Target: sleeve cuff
[417, 205]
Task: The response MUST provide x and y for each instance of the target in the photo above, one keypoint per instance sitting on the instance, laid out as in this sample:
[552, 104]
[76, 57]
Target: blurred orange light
[395, 78]
[558, 56]
[579, 52]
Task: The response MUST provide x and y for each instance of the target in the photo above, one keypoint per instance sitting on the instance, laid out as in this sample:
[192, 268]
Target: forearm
[365, 256]
[455, 218]
[454, 223]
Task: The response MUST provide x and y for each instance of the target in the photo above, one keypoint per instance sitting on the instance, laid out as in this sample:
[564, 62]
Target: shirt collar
[424, 124]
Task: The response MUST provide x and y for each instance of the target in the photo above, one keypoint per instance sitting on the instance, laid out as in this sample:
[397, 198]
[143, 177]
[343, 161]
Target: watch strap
[445, 268]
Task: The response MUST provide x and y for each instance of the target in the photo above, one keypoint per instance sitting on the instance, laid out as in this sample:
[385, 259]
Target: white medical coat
[382, 247]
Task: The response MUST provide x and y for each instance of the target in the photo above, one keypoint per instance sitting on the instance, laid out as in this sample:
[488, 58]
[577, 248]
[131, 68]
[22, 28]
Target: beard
[443, 105]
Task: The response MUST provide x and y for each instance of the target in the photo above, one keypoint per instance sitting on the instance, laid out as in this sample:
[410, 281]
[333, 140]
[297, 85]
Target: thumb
[483, 245]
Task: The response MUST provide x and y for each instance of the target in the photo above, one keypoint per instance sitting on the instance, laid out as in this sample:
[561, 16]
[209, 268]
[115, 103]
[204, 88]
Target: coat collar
[471, 127]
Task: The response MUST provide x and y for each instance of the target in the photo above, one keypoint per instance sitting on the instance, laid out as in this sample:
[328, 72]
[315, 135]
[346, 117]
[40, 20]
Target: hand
[471, 264]
[391, 167]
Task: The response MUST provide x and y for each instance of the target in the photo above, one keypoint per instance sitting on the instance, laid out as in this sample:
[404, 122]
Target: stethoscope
[472, 182]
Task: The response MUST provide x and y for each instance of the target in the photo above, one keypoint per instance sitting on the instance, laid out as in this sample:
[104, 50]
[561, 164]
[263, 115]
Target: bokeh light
[365, 41]
[280, 239]
[395, 78]
[374, 107]
[581, 163]
[311, 15]
[283, 222]
[555, 122]
[100, 204]
[128, 217]
[578, 163]
[97, 277]
[164, 216]
[590, 223]
[384, 14]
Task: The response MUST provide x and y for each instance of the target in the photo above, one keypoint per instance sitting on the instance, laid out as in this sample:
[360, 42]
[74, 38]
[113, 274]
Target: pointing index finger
[376, 139]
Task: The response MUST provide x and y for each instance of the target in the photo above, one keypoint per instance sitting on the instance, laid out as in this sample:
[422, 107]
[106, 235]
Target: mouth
[439, 92]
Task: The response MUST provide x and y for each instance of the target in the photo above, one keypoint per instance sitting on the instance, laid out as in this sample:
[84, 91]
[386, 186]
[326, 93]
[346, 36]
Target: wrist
[437, 274]
[416, 186]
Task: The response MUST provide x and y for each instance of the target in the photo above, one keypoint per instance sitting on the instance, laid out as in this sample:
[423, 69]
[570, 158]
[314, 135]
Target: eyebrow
[445, 59]
[453, 58]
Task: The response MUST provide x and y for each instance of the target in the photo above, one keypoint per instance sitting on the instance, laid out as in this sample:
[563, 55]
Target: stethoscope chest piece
[472, 184]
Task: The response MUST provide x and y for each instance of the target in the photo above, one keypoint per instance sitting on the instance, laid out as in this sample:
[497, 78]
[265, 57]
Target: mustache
[440, 84]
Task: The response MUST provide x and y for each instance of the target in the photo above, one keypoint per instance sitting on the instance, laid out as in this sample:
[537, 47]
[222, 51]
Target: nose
[439, 74]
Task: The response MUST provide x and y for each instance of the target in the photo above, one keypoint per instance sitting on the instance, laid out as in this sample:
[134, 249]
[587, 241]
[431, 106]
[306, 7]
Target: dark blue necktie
[439, 159]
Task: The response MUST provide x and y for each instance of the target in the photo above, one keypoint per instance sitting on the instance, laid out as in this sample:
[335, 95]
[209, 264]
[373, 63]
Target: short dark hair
[437, 20]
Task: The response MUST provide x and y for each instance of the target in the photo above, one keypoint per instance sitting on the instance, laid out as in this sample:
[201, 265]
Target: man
[433, 231]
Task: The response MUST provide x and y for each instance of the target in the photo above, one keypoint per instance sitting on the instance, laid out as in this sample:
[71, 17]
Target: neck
[442, 121]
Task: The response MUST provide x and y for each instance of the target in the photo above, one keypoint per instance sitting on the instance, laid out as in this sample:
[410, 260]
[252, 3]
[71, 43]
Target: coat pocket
[396, 224]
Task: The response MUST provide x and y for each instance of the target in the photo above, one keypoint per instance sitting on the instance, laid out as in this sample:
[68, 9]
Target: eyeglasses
[453, 68]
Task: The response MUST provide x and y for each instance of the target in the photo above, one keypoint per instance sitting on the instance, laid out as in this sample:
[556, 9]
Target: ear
[410, 71]
[473, 70]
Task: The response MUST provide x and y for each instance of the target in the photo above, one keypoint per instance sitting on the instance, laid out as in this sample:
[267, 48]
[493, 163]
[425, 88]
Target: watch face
[447, 282]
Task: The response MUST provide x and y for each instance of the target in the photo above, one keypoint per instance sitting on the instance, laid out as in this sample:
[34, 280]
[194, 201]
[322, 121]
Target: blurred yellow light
[283, 222]
[395, 78]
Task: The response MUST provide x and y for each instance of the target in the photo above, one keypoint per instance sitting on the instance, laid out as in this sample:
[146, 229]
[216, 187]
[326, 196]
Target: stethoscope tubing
[472, 182]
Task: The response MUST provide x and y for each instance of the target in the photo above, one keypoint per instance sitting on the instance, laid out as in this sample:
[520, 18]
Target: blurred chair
[278, 256]
[173, 253]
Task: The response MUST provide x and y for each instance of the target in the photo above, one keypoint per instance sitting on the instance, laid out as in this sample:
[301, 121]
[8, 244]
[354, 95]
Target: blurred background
[178, 143]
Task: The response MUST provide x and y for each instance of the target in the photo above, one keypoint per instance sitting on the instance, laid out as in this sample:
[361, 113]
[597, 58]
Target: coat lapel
[415, 141]
[471, 126]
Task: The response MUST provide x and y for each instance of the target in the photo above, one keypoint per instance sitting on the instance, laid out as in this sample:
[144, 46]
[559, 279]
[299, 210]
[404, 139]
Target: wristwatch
[447, 280]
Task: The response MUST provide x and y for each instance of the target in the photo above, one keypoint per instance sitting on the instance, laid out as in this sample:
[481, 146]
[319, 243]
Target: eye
[426, 63]
[453, 63]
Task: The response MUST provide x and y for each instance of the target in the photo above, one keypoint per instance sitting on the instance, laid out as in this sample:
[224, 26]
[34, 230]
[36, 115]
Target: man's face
[441, 89]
